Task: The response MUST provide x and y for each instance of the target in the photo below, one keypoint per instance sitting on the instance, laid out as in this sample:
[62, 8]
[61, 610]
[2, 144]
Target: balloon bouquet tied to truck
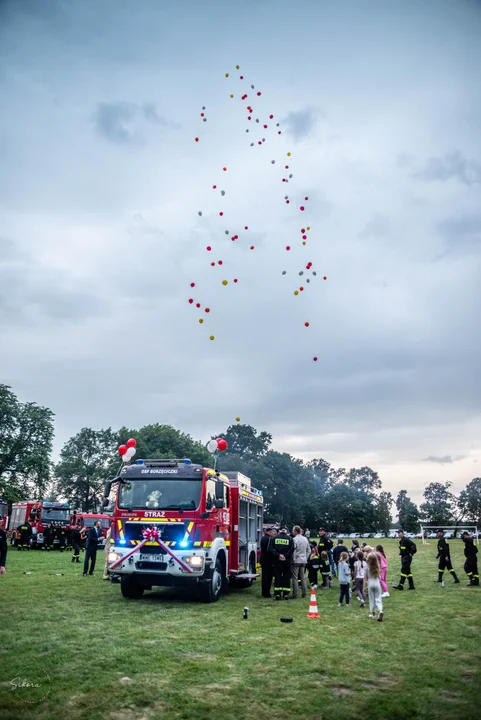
[178, 524]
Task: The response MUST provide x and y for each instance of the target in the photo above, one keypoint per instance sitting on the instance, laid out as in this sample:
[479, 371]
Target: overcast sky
[102, 182]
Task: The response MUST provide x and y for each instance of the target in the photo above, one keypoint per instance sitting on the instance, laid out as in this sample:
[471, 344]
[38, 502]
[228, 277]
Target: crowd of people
[290, 560]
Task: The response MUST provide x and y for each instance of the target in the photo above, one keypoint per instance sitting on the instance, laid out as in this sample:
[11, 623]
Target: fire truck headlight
[113, 556]
[196, 562]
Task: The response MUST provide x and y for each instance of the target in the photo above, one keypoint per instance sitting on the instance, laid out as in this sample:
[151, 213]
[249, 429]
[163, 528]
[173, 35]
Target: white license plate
[151, 558]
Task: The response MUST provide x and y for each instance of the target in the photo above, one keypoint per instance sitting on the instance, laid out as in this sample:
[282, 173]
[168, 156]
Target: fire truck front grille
[170, 532]
[144, 565]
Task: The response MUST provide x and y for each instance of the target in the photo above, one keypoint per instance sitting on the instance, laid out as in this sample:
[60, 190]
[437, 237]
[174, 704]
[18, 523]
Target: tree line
[313, 494]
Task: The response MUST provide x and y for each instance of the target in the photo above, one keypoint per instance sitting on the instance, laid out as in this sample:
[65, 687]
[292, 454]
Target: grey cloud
[151, 114]
[378, 227]
[442, 460]
[121, 122]
[451, 166]
[403, 160]
[114, 122]
[300, 123]
[27, 288]
[461, 235]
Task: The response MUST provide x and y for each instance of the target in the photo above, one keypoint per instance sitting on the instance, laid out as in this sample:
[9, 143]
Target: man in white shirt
[300, 557]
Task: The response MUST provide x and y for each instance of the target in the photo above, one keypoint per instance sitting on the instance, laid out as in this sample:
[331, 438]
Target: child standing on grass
[373, 584]
[313, 565]
[383, 562]
[344, 572]
[359, 570]
[325, 569]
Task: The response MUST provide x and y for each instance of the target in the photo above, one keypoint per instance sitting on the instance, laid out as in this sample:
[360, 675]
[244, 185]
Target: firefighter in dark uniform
[471, 564]
[24, 534]
[324, 542]
[444, 557]
[406, 550]
[3, 551]
[267, 561]
[282, 547]
[47, 538]
[75, 540]
[62, 536]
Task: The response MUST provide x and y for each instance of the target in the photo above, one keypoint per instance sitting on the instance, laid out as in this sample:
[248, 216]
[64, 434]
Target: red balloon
[122, 449]
[131, 443]
[221, 444]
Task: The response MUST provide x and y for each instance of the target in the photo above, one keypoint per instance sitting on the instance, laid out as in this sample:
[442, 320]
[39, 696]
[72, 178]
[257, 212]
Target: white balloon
[128, 455]
[212, 446]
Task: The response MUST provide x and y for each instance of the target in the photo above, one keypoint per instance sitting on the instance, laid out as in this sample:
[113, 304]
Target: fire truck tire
[130, 588]
[211, 588]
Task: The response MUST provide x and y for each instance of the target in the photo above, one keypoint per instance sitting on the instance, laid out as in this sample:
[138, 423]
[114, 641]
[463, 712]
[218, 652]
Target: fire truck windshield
[51, 515]
[3, 509]
[160, 494]
[90, 522]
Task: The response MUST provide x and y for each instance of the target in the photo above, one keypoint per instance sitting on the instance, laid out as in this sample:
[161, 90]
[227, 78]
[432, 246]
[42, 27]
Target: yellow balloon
[308, 228]
[201, 321]
[237, 67]
[303, 242]
[211, 337]
[288, 154]
[224, 282]
[296, 292]
[237, 419]
[227, 74]
[231, 96]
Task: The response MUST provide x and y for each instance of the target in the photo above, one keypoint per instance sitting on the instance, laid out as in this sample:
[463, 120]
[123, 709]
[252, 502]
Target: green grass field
[95, 655]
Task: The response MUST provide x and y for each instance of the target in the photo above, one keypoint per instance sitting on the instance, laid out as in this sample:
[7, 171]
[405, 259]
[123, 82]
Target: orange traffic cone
[313, 612]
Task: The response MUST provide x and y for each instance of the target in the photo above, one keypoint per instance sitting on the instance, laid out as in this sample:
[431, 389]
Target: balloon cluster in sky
[261, 126]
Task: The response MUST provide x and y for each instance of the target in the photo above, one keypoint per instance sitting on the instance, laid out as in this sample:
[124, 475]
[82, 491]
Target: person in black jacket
[3, 551]
[471, 564]
[406, 550]
[324, 542]
[444, 557]
[282, 547]
[267, 561]
[336, 553]
[75, 540]
[23, 537]
[91, 548]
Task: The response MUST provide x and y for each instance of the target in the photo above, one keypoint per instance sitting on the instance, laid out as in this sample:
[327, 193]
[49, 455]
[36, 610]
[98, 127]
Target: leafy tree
[26, 435]
[470, 501]
[408, 512]
[383, 505]
[246, 442]
[86, 461]
[164, 441]
[440, 504]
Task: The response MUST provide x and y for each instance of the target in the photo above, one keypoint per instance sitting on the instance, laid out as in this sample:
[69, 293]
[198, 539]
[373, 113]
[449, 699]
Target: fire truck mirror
[219, 504]
[107, 487]
[105, 502]
[219, 491]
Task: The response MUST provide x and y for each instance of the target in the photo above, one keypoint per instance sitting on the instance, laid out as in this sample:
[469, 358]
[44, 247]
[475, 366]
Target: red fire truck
[210, 527]
[88, 520]
[3, 514]
[39, 515]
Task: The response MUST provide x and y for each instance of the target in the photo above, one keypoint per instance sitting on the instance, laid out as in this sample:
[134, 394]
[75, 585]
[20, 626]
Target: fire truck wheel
[210, 589]
[13, 539]
[130, 588]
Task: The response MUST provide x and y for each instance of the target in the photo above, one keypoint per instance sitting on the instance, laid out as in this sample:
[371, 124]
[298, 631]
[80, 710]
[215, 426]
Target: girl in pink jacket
[382, 559]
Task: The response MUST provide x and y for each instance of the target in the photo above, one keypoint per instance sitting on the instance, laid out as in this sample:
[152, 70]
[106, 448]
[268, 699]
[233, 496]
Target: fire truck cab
[209, 523]
[39, 515]
[88, 520]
